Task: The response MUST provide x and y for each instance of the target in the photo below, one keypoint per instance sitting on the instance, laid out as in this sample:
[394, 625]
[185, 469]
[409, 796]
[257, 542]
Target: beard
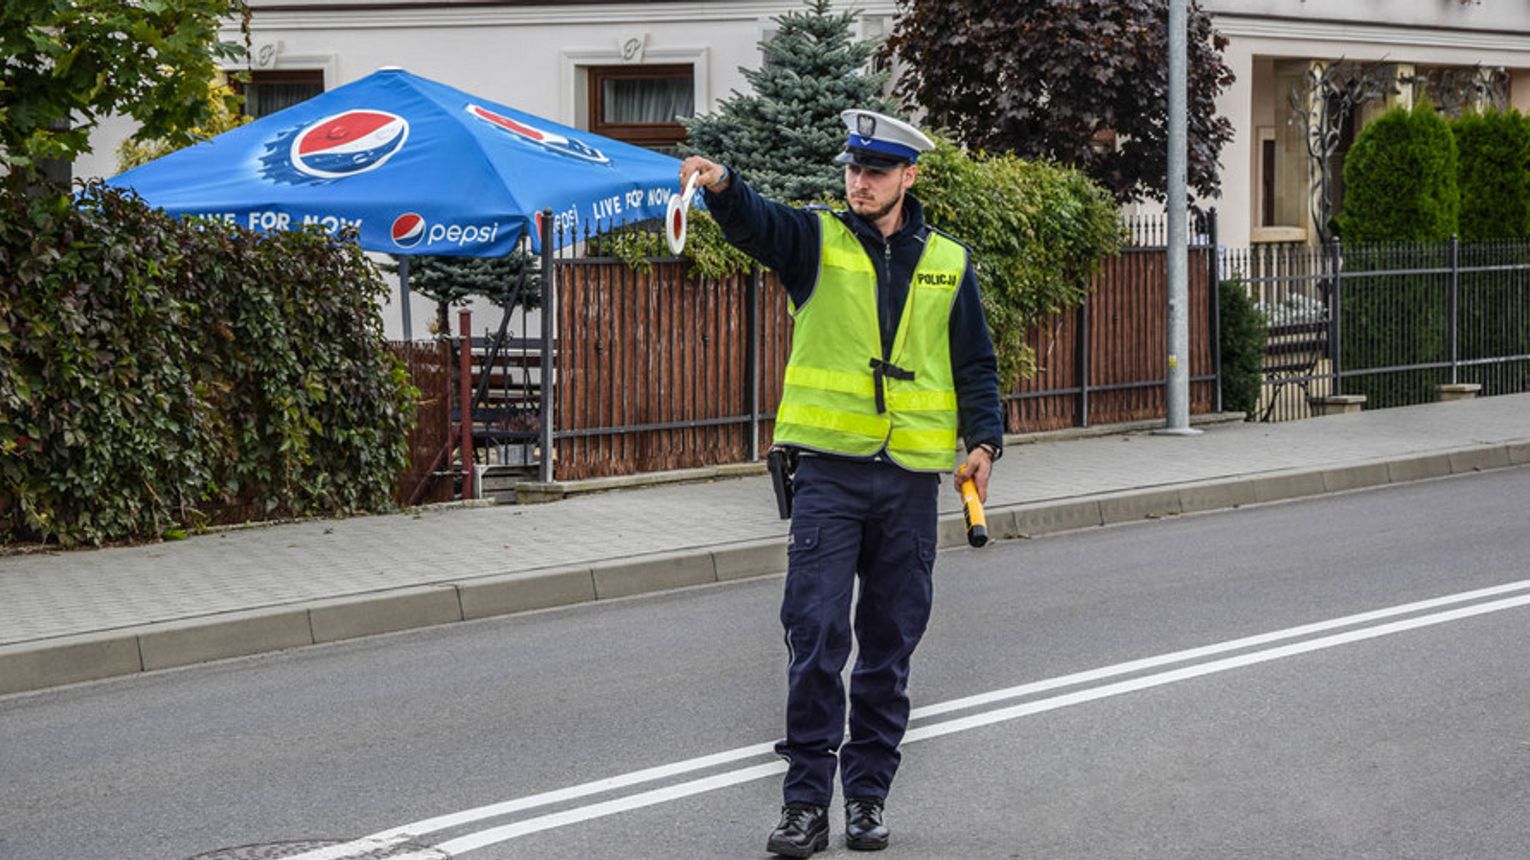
[875, 215]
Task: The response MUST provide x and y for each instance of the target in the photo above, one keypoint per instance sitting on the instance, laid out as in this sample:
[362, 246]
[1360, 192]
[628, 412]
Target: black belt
[880, 369]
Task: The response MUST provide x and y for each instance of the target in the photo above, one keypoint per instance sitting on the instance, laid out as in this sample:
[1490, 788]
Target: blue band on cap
[886, 147]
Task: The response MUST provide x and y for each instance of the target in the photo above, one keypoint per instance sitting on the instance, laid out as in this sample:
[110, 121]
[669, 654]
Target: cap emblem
[866, 125]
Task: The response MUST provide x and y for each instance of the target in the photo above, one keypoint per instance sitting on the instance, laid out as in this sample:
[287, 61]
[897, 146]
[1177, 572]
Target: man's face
[874, 192]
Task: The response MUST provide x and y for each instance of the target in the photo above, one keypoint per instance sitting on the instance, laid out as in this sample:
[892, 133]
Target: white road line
[494, 835]
[547, 798]
[962, 724]
[457, 819]
[485, 838]
[1209, 650]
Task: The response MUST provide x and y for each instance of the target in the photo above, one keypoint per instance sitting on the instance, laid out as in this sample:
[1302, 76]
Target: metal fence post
[1335, 316]
[1214, 267]
[1455, 290]
[1081, 360]
[403, 295]
[752, 361]
[549, 314]
[465, 402]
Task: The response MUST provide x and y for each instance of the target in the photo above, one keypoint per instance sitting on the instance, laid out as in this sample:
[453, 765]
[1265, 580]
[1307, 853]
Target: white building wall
[1435, 15]
[1261, 33]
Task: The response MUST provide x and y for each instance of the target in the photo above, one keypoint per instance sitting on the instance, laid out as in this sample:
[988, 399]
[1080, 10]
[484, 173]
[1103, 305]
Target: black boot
[803, 830]
[864, 830]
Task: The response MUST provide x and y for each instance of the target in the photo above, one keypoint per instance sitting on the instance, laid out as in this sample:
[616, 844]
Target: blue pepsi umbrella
[416, 166]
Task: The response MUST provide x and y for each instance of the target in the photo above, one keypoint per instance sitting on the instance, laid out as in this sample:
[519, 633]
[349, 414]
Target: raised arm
[780, 237]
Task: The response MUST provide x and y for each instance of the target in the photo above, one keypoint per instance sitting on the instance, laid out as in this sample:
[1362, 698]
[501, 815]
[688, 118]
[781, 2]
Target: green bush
[706, 250]
[1401, 202]
[1400, 180]
[1038, 233]
[1493, 174]
[1245, 332]
[1494, 152]
[158, 373]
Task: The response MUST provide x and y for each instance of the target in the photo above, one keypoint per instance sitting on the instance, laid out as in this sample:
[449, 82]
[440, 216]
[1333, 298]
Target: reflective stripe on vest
[828, 402]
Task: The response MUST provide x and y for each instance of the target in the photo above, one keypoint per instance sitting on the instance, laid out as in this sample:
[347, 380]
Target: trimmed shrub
[1401, 202]
[158, 374]
[1400, 180]
[1245, 332]
[1494, 152]
[1493, 174]
[1038, 233]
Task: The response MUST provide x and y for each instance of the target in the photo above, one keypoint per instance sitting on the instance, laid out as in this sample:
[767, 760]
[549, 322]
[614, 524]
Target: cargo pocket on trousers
[802, 574]
[926, 550]
[913, 609]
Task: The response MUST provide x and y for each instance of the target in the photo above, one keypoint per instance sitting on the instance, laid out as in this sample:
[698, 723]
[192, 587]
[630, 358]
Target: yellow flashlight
[972, 507]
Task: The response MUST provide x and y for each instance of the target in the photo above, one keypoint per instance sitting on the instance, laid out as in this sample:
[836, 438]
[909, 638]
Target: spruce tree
[783, 137]
[456, 280]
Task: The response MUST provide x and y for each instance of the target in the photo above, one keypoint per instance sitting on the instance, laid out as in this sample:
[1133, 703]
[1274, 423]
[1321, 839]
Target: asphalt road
[1129, 712]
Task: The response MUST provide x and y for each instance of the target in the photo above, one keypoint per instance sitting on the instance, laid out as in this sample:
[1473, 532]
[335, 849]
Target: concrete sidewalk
[75, 616]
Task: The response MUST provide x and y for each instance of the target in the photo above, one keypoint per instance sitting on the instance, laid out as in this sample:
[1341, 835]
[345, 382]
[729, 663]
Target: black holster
[782, 463]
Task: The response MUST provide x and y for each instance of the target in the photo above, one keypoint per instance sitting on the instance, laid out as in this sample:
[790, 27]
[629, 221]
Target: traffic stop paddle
[972, 507]
[676, 215]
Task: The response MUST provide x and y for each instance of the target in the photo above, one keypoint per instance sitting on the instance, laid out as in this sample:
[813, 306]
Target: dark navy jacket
[787, 240]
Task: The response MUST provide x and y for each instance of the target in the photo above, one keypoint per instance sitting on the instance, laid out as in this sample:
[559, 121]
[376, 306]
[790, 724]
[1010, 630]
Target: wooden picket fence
[657, 370]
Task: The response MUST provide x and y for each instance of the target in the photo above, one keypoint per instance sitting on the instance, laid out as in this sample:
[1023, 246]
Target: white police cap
[880, 141]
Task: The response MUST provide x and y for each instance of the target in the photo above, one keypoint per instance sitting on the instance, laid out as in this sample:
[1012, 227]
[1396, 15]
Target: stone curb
[50, 663]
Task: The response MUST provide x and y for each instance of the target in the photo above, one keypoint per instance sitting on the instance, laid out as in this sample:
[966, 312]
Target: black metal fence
[1106, 360]
[1391, 322]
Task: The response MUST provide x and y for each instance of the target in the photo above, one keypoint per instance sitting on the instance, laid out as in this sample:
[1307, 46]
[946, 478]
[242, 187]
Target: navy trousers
[877, 522]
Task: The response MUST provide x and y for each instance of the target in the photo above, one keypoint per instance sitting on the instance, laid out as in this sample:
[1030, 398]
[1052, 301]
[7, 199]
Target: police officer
[890, 362]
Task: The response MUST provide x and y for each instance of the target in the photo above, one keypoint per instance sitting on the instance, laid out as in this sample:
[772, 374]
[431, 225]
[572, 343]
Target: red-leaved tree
[1082, 82]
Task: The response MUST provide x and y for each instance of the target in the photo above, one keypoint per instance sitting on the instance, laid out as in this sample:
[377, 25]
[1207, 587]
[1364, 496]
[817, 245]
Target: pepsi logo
[408, 229]
[345, 144]
[548, 140]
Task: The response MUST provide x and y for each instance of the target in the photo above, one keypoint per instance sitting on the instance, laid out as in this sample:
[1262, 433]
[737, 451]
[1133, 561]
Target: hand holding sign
[676, 216]
[694, 171]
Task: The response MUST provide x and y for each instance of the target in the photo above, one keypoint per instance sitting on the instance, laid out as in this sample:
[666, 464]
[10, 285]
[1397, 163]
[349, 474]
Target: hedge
[158, 374]
[1400, 180]
[1401, 201]
[1038, 233]
[1493, 174]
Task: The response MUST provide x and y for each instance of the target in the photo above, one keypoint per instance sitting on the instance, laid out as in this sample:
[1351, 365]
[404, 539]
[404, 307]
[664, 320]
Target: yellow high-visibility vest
[831, 400]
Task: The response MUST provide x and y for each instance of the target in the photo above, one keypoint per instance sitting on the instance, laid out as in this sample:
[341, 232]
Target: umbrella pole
[403, 294]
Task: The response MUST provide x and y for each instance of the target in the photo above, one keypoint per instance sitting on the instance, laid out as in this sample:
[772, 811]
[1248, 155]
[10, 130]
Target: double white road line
[1251, 650]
